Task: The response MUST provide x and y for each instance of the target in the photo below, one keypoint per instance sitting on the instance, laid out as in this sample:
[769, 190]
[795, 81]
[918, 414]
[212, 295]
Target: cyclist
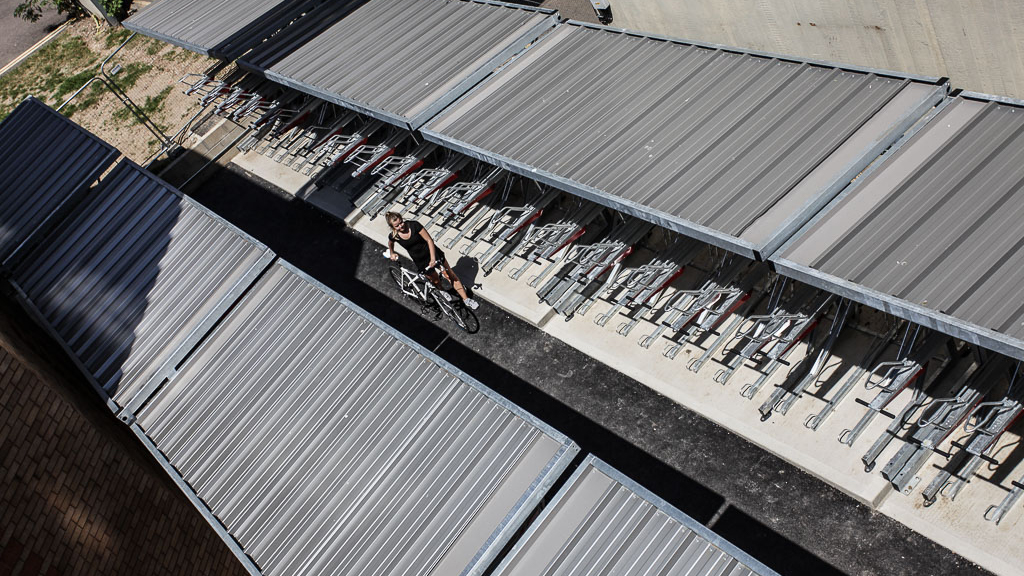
[424, 253]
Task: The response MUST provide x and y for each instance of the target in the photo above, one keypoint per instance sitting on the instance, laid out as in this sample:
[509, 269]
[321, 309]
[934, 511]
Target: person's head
[396, 222]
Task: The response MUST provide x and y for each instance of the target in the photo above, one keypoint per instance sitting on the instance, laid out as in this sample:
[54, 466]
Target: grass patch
[85, 100]
[116, 36]
[151, 106]
[60, 67]
[154, 46]
[130, 74]
[72, 83]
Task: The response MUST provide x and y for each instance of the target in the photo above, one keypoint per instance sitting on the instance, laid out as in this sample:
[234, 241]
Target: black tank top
[415, 245]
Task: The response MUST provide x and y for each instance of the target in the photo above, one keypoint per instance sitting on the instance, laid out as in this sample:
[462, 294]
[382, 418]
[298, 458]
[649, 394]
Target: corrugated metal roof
[220, 28]
[327, 443]
[601, 522]
[44, 160]
[402, 61]
[935, 233]
[298, 33]
[129, 282]
[735, 149]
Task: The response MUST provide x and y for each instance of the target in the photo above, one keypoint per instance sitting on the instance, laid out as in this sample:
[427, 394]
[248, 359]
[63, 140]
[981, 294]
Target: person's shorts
[422, 265]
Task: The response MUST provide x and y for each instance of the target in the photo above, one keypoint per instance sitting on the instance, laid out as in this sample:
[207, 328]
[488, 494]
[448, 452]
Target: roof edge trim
[992, 98]
[355, 106]
[526, 8]
[927, 317]
[775, 55]
[168, 39]
[218, 527]
[685, 227]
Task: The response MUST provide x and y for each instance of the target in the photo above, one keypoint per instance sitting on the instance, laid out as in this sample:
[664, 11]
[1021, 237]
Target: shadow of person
[467, 269]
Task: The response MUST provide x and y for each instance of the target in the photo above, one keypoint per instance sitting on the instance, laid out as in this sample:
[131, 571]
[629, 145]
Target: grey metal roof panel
[220, 28]
[45, 160]
[706, 141]
[933, 233]
[601, 522]
[328, 443]
[131, 281]
[403, 60]
[297, 33]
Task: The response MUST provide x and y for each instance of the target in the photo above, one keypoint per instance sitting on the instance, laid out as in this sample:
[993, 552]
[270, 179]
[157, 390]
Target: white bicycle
[417, 287]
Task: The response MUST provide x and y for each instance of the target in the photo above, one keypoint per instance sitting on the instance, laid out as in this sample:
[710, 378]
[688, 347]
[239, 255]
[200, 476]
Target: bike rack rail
[418, 187]
[507, 222]
[571, 289]
[391, 171]
[874, 352]
[783, 397]
[938, 419]
[451, 203]
[768, 338]
[891, 378]
[368, 156]
[997, 512]
[986, 423]
[545, 242]
[639, 288]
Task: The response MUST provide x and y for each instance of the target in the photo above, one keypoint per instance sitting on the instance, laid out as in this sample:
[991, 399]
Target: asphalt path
[17, 35]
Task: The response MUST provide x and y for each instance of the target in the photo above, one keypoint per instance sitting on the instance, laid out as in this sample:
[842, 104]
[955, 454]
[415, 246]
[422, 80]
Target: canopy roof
[935, 234]
[219, 28]
[45, 159]
[328, 443]
[736, 149]
[401, 61]
[128, 283]
[601, 522]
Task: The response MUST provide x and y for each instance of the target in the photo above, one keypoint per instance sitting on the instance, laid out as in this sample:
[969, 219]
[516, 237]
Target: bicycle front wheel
[396, 276]
[458, 313]
[466, 319]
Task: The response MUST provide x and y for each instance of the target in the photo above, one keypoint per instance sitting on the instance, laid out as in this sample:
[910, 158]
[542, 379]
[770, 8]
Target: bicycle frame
[416, 285]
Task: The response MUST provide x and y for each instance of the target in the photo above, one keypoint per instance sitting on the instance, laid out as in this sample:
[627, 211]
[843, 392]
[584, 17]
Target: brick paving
[74, 502]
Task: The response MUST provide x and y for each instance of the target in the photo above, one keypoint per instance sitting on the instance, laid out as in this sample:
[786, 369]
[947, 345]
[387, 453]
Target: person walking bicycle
[417, 242]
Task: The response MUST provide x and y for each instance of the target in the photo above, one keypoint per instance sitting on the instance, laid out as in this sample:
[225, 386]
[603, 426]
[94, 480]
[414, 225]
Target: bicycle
[417, 287]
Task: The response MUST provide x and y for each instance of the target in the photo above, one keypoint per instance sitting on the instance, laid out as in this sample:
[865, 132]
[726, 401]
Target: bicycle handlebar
[436, 266]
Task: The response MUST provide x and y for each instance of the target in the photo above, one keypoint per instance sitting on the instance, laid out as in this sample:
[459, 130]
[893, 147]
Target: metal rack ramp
[326, 442]
[131, 282]
[601, 522]
[224, 29]
[933, 234]
[400, 61]
[735, 149]
[46, 160]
